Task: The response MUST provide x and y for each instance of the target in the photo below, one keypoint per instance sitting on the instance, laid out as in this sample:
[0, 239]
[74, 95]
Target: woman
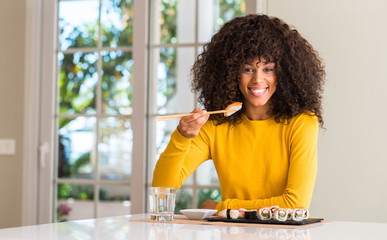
[266, 153]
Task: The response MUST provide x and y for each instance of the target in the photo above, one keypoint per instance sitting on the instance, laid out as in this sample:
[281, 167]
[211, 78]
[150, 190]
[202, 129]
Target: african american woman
[266, 153]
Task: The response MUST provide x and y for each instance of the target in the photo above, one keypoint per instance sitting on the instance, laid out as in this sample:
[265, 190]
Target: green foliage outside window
[85, 192]
[78, 73]
[75, 191]
[168, 34]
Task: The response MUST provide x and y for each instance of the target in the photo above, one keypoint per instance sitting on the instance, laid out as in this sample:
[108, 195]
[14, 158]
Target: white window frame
[40, 87]
[40, 65]
[40, 92]
[31, 115]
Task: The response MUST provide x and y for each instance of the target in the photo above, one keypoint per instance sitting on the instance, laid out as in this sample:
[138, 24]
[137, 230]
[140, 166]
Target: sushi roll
[232, 108]
[234, 214]
[298, 214]
[231, 214]
[251, 214]
[280, 214]
[306, 213]
[264, 213]
[224, 213]
[241, 213]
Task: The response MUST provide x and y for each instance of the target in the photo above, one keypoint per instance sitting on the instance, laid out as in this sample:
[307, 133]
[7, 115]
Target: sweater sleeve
[301, 174]
[180, 158]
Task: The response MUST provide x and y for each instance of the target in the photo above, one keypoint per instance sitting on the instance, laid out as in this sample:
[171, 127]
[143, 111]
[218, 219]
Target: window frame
[47, 177]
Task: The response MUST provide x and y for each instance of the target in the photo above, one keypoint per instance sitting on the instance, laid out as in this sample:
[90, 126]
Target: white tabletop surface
[121, 228]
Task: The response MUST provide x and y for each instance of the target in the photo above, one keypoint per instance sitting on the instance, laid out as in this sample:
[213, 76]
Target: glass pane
[214, 13]
[115, 149]
[206, 174]
[77, 27]
[168, 95]
[75, 202]
[76, 155]
[171, 79]
[114, 201]
[162, 133]
[116, 83]
[117, 23]
[78, 78]
[183, 199]
[172, 21]
[208, 194]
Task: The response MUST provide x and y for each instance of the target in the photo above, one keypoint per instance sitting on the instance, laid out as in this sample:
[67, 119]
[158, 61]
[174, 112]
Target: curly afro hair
[298, 68]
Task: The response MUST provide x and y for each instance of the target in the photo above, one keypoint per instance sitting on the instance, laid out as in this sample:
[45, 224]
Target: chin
[259, 104]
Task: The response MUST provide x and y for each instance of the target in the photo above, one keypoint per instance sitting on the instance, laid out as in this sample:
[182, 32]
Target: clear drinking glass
[162, 203]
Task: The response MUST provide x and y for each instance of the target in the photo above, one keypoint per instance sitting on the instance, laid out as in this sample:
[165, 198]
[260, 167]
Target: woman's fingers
[189, 126]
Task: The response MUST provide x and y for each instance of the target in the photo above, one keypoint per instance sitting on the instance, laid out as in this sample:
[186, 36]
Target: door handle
[43, 151]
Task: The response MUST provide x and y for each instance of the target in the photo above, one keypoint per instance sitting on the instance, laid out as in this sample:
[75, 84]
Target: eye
[268, 69]
[248, 69]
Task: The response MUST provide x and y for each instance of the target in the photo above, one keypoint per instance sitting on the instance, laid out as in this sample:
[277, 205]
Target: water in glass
[162, 203]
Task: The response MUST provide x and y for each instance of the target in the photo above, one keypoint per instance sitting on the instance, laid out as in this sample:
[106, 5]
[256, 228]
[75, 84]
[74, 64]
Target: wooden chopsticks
[176, 116]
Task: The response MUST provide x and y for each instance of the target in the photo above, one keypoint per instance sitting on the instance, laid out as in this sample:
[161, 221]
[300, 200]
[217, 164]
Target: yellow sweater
[259, 163]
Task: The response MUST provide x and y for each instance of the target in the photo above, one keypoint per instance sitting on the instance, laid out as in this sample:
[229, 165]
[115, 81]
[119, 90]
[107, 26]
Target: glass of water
[162, 203]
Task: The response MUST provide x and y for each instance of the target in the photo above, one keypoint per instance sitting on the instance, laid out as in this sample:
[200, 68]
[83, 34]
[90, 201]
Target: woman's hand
[189, 126]
[209, 204]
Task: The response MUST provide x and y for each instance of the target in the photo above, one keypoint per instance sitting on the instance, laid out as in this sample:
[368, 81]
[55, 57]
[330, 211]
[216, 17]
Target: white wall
[12, 54]
[351, 37]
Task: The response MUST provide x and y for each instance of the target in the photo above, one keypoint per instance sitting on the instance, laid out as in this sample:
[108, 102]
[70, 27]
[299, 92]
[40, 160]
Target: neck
[257, 113]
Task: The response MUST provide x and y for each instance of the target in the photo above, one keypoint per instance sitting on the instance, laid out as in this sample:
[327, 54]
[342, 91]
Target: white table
[115, 228]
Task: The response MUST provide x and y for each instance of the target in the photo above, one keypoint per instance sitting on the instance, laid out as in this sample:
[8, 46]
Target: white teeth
[259, 91]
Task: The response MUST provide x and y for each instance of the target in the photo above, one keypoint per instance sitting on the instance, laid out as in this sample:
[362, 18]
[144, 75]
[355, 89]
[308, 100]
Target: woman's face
[257, 83]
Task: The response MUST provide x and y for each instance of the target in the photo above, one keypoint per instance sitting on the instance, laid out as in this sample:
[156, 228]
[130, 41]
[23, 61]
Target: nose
[257, 77]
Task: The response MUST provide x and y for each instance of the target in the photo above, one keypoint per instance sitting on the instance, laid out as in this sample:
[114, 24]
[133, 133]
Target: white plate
[197, 214]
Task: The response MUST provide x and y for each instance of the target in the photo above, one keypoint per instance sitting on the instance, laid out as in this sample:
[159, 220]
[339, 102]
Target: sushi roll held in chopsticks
[232, 108]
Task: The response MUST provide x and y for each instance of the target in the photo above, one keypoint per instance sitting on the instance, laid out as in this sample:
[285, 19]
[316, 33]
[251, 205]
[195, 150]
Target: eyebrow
[264, 63]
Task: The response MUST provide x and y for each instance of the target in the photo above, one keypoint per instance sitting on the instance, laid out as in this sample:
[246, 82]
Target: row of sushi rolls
[266, 213]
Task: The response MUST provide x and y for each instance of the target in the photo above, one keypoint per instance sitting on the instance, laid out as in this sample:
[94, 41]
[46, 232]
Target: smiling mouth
[258, 91]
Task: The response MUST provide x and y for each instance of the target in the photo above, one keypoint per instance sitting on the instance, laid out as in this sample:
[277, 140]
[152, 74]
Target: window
[94, 108]
[178, 30]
